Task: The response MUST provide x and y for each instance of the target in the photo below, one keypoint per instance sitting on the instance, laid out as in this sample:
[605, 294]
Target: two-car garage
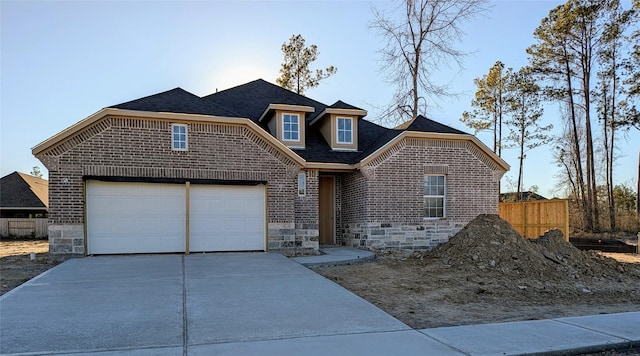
[143, 217]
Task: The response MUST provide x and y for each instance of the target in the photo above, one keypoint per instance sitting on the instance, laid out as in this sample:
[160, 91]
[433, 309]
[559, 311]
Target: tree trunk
[500, 116]
[576, 147]
[521, 162]
[591, 170]
[612, 201]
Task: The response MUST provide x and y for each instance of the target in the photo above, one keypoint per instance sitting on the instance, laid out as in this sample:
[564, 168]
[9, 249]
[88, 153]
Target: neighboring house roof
[254, 99]
[525, 196]
[22, 191]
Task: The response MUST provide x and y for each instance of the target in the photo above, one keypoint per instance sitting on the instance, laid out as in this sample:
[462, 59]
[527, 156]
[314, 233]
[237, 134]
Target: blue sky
[62, 61]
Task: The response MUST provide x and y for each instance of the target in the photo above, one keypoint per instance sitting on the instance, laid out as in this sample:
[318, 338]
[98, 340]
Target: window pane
[340, 124]
[290, 127]
[347, 125]
[434, 196]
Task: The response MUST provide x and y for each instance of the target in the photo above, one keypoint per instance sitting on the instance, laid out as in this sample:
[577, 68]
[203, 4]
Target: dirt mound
[497, 257]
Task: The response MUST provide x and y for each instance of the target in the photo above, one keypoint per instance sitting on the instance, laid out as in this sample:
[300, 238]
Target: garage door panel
[135, 217]
[227, 218]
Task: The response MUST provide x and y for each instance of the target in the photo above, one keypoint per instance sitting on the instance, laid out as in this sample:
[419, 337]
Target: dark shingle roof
[524, 196]
[19, 190]
[176, 100]
[250, 101]
[423, 124]
[342, 105]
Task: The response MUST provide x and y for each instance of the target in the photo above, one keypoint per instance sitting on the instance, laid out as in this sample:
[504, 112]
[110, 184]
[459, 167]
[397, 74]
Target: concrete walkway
[250, 304]
[336, 255]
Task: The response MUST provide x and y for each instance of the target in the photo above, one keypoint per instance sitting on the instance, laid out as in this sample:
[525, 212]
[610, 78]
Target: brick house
[257, 167]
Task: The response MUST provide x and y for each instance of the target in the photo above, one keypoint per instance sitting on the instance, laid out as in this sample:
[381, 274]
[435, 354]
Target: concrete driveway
[249, 303]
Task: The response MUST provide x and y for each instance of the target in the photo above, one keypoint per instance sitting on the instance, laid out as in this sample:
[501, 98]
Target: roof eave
[338, 111]
[23, 208]
[285, 107]
[436, 135]
[333, 167]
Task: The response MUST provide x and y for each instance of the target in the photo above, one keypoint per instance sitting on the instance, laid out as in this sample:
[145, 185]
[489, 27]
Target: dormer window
[338, 124]
[345, 130]
[287, 123]
[290, 127]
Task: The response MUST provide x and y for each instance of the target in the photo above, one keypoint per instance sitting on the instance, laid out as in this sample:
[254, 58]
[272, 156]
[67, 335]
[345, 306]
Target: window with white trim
[434, 196]
[345, 130]
[179, 137]
[290, 127]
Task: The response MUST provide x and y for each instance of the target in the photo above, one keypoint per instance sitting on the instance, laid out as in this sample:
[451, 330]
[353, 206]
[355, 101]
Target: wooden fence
[532, 218]
[24, 227]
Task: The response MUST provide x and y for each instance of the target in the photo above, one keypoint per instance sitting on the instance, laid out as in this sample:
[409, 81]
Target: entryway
[326, 210]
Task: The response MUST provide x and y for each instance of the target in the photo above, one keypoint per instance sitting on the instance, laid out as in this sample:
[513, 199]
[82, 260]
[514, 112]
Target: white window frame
[350, 119]
[438, 196]
[173, 137]
[302, 184]
[297, 116]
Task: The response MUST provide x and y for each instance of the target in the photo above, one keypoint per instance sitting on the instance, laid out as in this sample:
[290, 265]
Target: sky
[61, 61]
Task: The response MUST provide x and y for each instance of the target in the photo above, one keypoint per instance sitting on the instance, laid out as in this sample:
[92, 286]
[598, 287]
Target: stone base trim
[300, 237]
[406, 236]
[66, 239]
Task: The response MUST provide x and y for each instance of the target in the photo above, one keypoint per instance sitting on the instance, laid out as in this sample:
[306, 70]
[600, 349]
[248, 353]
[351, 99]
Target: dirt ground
[488, 273]
[16, 266]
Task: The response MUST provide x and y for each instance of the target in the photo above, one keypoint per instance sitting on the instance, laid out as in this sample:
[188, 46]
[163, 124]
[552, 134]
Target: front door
[326, 210]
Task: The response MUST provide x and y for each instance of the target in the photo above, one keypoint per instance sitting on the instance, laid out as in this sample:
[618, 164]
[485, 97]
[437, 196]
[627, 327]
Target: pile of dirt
[489, 273]
[497, 257]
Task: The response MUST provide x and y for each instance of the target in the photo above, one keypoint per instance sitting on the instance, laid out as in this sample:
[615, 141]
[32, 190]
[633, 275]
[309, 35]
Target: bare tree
[420, 37]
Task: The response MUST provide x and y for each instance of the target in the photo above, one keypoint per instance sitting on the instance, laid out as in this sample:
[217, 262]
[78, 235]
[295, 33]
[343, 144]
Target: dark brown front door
[326, 212]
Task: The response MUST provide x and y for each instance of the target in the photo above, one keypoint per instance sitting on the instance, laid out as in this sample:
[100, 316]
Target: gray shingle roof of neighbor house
[19, 190]
[250, 101]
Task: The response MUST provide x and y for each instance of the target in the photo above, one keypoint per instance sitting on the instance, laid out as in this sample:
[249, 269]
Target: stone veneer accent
[66, 238]
[382, 236]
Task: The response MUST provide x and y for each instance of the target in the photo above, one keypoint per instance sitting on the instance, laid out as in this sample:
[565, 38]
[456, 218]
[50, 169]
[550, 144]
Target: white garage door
[151, 218]
[135, 217]
[227, 218]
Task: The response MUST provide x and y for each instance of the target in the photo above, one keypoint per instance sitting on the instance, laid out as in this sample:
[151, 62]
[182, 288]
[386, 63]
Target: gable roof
[23, 191]
[342, 105]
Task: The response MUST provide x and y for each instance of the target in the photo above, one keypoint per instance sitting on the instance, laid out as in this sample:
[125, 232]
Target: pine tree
[295, 74]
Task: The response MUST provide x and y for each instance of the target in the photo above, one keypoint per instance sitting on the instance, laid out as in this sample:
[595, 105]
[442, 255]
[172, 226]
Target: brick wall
[383, 204]
[128, 147]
